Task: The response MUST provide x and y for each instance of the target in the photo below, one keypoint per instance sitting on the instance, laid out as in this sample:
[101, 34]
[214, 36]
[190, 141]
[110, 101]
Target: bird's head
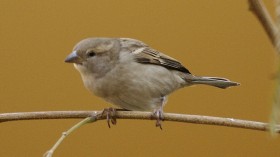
[95, 55]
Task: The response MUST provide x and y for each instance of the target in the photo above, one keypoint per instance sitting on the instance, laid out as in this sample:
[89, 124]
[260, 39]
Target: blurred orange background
[211, 38]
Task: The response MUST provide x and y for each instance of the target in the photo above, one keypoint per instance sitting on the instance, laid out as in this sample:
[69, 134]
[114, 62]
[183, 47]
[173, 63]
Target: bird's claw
[158, 115]
[110, 116]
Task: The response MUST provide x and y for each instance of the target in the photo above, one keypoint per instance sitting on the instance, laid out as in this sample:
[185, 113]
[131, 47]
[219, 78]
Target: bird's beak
[73, 58]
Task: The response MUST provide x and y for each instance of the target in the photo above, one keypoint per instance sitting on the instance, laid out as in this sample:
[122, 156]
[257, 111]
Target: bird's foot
[110, 116]
[158, 115]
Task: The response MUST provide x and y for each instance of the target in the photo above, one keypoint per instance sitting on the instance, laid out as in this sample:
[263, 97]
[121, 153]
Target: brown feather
[151, 56]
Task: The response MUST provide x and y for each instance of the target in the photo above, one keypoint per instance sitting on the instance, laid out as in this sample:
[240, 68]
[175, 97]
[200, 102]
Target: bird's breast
[134, 86]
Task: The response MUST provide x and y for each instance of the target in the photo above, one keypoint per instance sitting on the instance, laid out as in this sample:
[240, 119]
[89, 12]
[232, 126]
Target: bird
[132, 75]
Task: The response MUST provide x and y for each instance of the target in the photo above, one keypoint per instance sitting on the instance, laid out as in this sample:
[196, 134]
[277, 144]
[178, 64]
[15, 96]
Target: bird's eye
[91, 54]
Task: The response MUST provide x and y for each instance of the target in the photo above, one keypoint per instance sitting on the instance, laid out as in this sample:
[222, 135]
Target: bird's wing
[147, 55]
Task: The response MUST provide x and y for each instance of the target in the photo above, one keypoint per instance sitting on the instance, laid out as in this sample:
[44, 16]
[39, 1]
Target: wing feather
[147, 55]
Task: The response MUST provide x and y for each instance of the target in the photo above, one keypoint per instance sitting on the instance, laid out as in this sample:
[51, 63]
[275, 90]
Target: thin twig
[272, 30]
[50, 152]
[258, 8]
[275, 114]
[197, 119]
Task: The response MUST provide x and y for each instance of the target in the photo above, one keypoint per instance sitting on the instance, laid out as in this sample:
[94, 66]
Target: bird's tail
[212, 81]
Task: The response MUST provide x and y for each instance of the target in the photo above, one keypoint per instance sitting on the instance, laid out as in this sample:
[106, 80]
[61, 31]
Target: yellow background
[211, 38]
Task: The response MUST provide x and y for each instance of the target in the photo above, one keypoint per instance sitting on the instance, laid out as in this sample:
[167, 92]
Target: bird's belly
[141, 89]
[131, 95]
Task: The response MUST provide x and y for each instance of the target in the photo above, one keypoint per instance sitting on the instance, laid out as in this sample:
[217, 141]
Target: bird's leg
[158, 113]
[110, 116]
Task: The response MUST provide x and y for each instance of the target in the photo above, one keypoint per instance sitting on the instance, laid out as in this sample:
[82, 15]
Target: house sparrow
[130, 74]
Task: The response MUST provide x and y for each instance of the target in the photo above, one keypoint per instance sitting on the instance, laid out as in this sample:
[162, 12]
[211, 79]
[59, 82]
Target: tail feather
[213, 81]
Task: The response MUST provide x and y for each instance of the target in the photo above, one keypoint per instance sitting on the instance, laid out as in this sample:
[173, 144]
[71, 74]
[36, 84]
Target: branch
[258, 8]
[196, 119]
[272, 30]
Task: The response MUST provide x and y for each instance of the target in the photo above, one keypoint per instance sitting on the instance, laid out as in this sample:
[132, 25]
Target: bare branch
[258, 8]
[196, 119]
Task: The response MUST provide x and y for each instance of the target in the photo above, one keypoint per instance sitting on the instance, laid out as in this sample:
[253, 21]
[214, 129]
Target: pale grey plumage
[131, 75]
